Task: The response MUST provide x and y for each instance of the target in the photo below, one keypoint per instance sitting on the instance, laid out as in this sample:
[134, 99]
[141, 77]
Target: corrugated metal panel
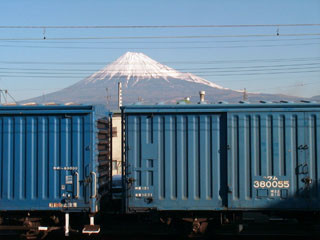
[271, 157]
[45, 158]
[237, 157]
[174, 161]
[312, 157]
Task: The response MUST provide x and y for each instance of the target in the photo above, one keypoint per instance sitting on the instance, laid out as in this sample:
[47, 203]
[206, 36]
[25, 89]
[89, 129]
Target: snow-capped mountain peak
[134, 67]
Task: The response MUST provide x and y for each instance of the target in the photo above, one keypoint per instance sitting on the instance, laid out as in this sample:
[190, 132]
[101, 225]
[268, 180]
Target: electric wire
[199, 70]
[199, 75]
[179, 69]
[160, 42]
[91, 88]
[287, 86]
[163, 48]
[161, 26]
[218, 61]
[167, 37]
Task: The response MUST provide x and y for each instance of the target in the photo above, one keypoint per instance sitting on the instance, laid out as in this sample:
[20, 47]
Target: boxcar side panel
[174, 161]
[273, 160]
[46, 156]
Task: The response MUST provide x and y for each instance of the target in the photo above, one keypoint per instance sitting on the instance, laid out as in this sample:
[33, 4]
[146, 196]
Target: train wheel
[31, 235]
[166, 220]
[203, 227]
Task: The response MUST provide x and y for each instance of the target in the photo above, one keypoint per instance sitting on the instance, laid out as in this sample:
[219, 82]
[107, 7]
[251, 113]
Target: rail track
[130, 228]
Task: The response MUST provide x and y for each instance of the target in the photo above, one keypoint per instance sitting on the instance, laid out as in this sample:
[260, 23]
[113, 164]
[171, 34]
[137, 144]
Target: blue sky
[271, 64]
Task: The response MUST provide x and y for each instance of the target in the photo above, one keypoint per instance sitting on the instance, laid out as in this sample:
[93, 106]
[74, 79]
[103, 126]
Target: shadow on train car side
[303, 205]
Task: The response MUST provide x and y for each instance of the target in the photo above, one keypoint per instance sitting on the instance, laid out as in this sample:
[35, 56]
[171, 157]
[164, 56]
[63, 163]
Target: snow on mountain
[137, 67]
[145, 78]
[193, 78]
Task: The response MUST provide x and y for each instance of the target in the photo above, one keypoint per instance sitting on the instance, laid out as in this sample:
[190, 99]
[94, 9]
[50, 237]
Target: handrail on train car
[95, 184]
[78, 185]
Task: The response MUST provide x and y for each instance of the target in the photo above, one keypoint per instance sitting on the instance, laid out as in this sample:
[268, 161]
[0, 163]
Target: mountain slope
[143, 77]
[316, 98]
[136, 67]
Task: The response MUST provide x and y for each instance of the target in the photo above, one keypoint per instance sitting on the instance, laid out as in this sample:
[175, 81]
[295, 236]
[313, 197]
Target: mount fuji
[133, 68]
[147, 79]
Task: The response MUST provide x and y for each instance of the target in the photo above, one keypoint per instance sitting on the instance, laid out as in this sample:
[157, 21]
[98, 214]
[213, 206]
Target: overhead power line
[157, 42]
[88, 87]
[5, 93]
[219, 61]
[198, 69]
[200, 75]
[286, 86]
[167, 26]
[162, 48]
[164, 37]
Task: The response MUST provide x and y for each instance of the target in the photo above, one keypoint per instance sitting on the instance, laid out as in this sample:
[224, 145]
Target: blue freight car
[53, 159]
[213, 160]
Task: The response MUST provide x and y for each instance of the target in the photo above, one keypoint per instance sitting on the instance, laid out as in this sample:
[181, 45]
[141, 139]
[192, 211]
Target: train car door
[173, 161]
[141, 161]
[267, 163]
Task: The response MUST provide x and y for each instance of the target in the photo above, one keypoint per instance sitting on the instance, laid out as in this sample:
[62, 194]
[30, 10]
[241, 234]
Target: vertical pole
[123, 173]
[91, 220]
[108, 98]
[67, 226]
[111, 153]
[245, 95]
[6, 96]
[119, 95]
